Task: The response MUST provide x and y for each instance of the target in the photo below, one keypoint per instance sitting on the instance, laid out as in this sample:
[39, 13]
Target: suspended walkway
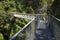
[40, 27]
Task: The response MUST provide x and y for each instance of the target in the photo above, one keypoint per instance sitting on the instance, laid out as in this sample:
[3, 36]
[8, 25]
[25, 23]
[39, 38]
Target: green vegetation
[1, 36]
[10, 25]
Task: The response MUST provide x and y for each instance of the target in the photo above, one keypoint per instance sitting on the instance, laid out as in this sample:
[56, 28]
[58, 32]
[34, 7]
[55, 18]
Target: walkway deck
[43, 32]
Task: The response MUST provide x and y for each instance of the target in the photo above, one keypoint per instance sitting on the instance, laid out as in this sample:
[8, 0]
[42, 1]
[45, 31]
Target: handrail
[28, 16]
[54, 17]
[21, 29]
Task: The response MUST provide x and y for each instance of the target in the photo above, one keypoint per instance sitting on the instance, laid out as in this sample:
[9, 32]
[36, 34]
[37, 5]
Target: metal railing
[28, 30]
[24, 28]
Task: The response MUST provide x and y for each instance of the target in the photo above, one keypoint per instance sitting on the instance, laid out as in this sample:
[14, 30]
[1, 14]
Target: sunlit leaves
[1, 38]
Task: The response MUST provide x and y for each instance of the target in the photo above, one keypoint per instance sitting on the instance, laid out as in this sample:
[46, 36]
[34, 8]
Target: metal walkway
[43, 32]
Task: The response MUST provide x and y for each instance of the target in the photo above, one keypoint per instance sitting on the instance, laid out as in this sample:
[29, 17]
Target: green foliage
[7, 5]
[1, 36]
[11, 25]
[8, 25]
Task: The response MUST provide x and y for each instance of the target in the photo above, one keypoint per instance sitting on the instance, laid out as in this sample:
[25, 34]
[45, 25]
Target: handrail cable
[54, 17]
